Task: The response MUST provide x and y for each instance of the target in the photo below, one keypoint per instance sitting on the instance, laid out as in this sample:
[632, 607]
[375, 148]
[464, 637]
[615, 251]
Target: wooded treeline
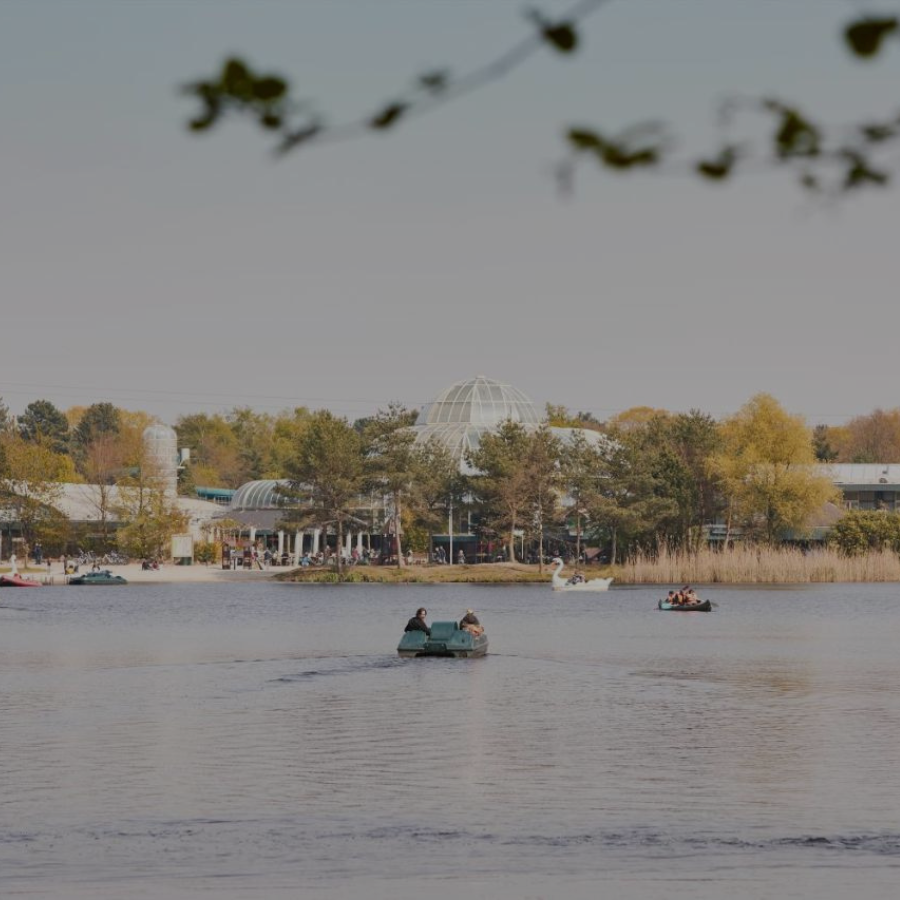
[644, 479]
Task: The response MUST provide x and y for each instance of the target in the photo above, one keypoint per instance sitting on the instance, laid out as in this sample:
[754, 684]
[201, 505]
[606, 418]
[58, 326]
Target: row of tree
[644, 478]
[640, 485]
[101, 445]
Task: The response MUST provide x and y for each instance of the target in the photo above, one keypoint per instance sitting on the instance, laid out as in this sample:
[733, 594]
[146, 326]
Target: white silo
[161, 456]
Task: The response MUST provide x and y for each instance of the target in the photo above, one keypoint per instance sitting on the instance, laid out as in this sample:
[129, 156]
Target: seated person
[469, 622]
[577, 578]
[672, 599]
[417, 622]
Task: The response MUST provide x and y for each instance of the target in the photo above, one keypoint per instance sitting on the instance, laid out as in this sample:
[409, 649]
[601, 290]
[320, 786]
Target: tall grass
[744, 564]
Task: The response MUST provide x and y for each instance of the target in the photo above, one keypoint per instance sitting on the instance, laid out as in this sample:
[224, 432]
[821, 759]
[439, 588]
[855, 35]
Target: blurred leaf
[860, 173]
[209, 116]
[435, 81]
[236, 79]
[388, 116]
[562, 36]
[865, 36]
[269, 88]
[809, 181]
[795, 136]
[878, 133]
[721, 167]
[583, 140]
[296, 138]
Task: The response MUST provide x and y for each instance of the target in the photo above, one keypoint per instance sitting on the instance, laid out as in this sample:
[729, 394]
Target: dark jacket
[416, 624]
[469, 619]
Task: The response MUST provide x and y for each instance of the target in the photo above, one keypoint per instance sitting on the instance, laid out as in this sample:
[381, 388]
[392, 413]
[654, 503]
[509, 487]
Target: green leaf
[236, 79]
[866, 36]
[269, 88]
[562, 36]
[388, 116]
[795, 136]
[719, 168]
[582, 139]
[435, 81]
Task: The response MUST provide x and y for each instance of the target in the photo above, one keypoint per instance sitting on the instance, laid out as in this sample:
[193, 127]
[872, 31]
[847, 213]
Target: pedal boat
[446, 640]
[102, 577]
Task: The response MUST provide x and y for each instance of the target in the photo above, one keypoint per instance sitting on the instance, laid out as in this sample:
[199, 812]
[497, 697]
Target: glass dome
[259, 495]
[482, 402]
[467, 410]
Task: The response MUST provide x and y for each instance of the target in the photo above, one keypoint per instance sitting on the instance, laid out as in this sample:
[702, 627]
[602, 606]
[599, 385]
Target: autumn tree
[102, 463]
[327, 475]
[149, 519]
[215, 451]
[147, 514]
[31, 484]
[766, 470]
[874, 438]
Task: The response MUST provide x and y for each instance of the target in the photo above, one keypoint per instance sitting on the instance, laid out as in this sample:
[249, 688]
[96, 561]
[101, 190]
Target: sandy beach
[166, 574]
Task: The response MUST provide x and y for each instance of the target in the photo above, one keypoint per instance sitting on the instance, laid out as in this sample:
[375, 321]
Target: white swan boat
[560, 584]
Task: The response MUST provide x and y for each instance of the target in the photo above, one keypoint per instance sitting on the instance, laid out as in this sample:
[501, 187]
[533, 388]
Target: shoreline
[484, 573]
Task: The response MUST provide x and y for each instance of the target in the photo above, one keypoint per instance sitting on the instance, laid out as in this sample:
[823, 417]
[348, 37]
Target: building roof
[462, 414]
[479, 401]
[871, 476]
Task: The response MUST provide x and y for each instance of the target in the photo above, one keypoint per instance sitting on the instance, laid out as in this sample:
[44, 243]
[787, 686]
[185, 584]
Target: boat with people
[702, 606]
[577, 582]
[685, 600]
[104, 576]
[449, 639]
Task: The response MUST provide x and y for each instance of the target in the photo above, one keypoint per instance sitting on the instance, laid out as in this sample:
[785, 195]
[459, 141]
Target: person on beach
[469, 622]
[417, 622]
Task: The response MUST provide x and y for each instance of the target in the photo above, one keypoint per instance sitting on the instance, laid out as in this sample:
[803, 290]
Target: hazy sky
[161, 271]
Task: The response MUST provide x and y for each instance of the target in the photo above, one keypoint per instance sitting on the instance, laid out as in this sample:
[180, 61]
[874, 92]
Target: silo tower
[161, 457]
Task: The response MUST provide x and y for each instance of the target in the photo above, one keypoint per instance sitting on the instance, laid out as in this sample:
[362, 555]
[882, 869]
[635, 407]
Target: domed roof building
[460, 415]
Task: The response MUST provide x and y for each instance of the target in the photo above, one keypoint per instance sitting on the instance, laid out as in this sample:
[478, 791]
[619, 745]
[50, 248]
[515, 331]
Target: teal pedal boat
[447, 639]
[103, 577]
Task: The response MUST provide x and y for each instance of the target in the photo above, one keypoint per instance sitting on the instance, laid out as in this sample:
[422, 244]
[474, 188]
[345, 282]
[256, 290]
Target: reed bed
[744, 564]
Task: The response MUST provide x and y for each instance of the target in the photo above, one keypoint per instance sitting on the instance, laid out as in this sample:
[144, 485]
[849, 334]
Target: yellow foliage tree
[766, 470]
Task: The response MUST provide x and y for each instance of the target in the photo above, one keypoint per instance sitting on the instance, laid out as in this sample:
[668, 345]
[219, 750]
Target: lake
[264, 741]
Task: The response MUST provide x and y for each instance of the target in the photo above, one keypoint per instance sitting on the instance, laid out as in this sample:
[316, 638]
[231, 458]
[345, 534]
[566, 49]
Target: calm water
[263, 741]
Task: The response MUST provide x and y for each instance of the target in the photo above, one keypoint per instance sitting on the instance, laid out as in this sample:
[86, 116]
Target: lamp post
[450, 528]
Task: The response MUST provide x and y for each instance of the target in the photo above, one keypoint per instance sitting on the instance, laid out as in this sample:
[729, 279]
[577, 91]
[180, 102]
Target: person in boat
[672, 599]
[577, 578]
[417, 622]
[690, 597]
[469, 622]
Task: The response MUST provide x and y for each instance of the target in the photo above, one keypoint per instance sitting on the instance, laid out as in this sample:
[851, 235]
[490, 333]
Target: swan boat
[446, 639]
[560, 584]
